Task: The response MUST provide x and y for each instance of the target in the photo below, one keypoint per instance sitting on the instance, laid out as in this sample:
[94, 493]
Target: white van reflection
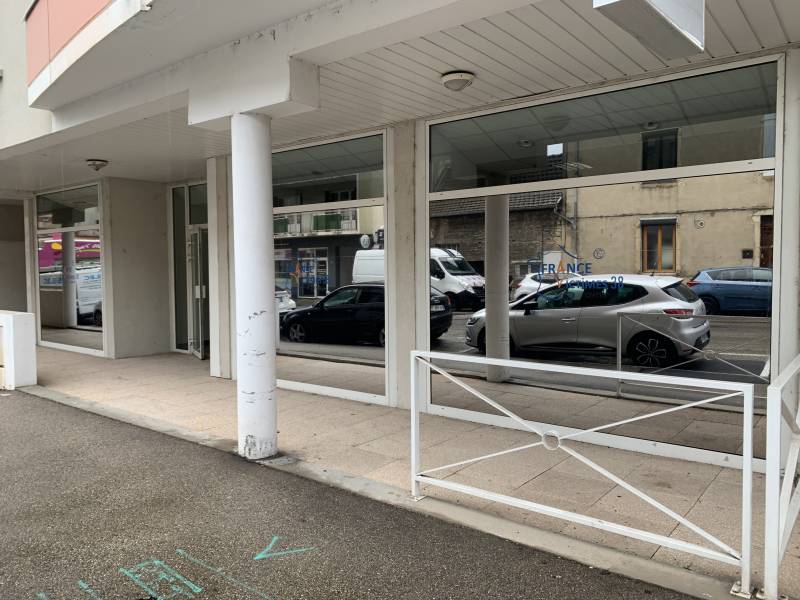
[451, 274]
[89, 292]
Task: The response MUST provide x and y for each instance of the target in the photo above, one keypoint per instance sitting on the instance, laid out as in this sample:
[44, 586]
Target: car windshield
[457, 266]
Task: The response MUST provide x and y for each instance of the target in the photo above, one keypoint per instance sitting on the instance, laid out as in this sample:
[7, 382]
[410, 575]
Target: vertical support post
[218, 265]
[251, 156]
[69, 282]
[747, 493]
[772, 519]
[497, 255]
[619, 353]
[786, 284]
[400, 241]
[415, 454]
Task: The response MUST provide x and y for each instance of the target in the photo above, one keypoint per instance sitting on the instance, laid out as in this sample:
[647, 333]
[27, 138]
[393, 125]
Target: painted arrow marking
[267, 552]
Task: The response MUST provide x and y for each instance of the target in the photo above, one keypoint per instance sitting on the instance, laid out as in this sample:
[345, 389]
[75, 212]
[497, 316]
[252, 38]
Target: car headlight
[472, 320]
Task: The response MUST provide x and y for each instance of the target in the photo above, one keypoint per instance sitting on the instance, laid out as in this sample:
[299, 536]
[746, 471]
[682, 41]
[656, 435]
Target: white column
[254, 264]
[69, 280]
[496, 272]
[785, 294]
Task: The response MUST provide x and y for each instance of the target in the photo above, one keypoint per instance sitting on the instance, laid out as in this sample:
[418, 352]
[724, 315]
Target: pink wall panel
[36, 39]
[52, 24]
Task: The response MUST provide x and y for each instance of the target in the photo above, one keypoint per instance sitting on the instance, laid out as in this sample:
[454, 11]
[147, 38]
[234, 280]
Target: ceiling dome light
[96, 163]
[455, 81]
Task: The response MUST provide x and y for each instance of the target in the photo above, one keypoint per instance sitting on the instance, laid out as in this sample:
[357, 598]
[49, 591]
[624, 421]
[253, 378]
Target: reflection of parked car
[285, 302]
[582, 313]
[734, 289]
[355, 313]
[533, 282]
[97, 317]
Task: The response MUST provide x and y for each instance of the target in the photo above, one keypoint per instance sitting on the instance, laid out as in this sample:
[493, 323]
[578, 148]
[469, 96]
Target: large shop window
[682, 258]
[330, 265]
[719, 117]
[69, 265]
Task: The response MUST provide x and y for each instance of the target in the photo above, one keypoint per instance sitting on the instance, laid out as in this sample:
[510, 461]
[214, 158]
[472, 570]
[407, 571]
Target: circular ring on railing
[551, 441]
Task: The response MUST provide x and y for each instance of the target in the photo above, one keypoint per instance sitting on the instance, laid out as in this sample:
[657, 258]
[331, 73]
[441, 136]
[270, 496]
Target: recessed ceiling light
[455, 81]
[524, 143]
[650, 125]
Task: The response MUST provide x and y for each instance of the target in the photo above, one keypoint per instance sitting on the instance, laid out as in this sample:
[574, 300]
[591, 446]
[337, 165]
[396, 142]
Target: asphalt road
[95, 509]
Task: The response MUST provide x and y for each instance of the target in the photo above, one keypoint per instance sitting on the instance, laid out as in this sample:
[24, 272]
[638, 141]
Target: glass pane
[179, 266]
[719, 117]
[667, 248]
[68, 208]
[349, 324]
[651, 250]
[71, 288]
[560, 317]
[347, 170]
[198, 205]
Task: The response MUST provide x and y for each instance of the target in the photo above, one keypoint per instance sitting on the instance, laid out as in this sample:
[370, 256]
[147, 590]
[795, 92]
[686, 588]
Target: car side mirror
[529, 307]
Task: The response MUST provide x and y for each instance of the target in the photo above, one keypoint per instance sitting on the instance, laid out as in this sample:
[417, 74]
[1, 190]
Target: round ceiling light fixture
[455, 81]
[96, 163]
[650, 125]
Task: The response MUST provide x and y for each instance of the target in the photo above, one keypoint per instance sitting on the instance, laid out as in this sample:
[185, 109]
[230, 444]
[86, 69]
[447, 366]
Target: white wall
[13, 294]
[136, 243]
[18, 122]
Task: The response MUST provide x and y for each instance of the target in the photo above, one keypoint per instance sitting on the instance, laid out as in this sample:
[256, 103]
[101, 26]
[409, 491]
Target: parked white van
[450, 273]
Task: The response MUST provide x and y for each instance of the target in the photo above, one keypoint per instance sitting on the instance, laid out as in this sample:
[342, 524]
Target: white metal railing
[783, 449]
[555, 438]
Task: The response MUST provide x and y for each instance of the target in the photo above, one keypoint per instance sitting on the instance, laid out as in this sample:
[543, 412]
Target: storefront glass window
[68, 208]
[719, 117]
[678, 265]
[346, 170]
[71, 288]
[329, 274]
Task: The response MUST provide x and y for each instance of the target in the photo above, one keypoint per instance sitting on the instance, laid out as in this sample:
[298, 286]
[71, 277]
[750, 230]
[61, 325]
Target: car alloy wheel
[297, 333]
[651, 352]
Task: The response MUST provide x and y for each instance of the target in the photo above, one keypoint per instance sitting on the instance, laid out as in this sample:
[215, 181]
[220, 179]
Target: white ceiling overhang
[548, 47]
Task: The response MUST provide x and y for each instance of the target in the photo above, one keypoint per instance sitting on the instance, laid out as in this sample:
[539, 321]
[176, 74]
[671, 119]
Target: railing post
[772, 520]
[619, 353]
[415, 454]
[745, 584]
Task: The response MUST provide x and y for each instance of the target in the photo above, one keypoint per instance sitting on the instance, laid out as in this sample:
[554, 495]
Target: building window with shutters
[658, 247]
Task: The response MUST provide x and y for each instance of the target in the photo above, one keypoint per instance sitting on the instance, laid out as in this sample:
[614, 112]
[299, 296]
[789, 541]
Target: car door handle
[568, 320]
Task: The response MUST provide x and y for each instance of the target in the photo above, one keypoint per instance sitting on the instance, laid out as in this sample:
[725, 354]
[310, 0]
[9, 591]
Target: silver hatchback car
[582, 313]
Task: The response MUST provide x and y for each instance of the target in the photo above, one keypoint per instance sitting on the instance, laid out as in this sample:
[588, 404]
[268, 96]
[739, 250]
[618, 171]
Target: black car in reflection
[355, 313]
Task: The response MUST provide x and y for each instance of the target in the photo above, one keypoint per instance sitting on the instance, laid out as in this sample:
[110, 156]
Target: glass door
[198, 290]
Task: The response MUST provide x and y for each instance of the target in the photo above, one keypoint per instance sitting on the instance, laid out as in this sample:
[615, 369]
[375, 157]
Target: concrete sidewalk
[373, 442]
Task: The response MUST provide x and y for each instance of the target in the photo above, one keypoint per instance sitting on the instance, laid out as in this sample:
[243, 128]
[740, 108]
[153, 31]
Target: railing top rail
[711, 384]
[786, 375]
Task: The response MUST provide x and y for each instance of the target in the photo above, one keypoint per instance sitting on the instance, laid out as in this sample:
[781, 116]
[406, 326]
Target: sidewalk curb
[614, 561]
